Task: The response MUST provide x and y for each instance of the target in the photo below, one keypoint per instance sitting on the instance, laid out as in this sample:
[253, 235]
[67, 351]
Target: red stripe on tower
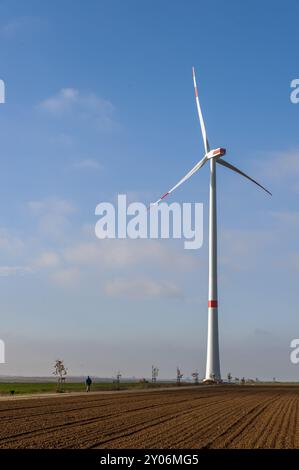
[164, 195]
[212, 303]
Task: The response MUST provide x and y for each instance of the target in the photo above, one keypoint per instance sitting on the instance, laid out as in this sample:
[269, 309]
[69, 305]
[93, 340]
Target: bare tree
[229, 377]
[117, 380]
[195, 376]
[155, 372]
[61, 371]
[179, 376]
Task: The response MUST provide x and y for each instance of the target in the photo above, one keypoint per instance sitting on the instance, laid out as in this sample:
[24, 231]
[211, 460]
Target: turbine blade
[231, 167]
[185, 178]
[202, 124]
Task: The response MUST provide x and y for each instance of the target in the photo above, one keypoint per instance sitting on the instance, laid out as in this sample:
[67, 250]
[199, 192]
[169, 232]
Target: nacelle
[216, 153]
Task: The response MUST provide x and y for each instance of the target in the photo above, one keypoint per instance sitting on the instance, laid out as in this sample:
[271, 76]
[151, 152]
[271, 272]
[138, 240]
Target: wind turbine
[213, 156]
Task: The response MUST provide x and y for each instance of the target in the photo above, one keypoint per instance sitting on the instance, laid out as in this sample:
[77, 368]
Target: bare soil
[207, 417]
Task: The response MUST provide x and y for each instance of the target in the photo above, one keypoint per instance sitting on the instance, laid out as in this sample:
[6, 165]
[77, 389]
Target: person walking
[88, 382]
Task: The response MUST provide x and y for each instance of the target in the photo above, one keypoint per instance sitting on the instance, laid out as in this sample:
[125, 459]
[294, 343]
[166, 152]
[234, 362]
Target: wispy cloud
[88, 164]
[52, 215]
[68, 277]
[142, 288]
[62, 102]
[117, 254]
[55, 205]
[21, 25]
[11, 28]
[6, 271]
[10, 244]
[240, 248]
[64, 139]
[72, 104]
[288, 219]
[48, 259]
[282, 167]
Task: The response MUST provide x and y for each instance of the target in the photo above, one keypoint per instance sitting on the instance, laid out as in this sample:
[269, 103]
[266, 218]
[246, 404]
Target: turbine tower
[214, 156]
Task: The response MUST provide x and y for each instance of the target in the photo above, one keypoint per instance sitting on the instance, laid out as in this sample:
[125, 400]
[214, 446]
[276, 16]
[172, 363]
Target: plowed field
[215, 417]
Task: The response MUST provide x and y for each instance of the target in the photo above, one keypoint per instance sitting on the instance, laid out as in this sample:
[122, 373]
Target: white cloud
[53, 205]
[239, 249]
[252, 250]
[68, 277]
[116, 254]
[73, 104]
[11, 28]
[141, 288]
[21, 25]
[83, 253]
[48, 259]
[6, 271]
[287, 219]
[61, 102]
[282, 167]
[9, 244]
[64, 139]
[53, 225]
[52, 215]
[87, 164]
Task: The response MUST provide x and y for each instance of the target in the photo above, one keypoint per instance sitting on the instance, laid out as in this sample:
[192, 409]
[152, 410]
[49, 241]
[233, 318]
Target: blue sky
[100, 101]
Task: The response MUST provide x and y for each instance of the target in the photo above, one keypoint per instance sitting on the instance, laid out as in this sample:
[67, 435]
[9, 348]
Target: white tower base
[213, 362]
